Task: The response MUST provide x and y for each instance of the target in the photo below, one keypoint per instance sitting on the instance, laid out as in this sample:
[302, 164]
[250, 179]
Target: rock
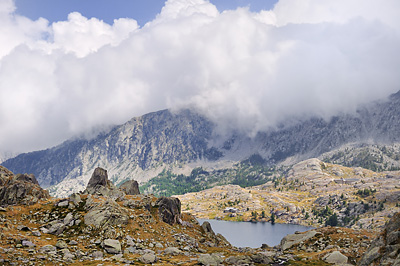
[36, 233]
[294, 239]
[75, 199]
[261, 258]
[21, 189]
[73, 243]
[385, 245]
[27, 178]
[26, 243]
[100, 185]
[63, 203]
[130, 187]
[47, 249]
[112, 246]
[207, 228]
[56, 229]
[209, 260]
[148, 258]
[105, 214]
[169, 210]
[172, 251]
[336, 258]
[69, 219]
[61, 244]
[97, 255]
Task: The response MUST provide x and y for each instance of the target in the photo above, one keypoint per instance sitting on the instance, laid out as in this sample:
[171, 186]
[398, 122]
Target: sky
[71, 68]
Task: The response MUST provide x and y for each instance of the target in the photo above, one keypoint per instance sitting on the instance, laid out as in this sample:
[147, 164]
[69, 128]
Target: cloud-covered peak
[244, 70]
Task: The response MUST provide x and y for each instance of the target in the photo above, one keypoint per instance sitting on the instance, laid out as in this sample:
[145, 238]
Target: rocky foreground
[105, 225]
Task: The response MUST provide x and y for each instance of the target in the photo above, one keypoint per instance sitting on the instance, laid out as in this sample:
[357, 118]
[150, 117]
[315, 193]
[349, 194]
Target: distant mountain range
[181, 141]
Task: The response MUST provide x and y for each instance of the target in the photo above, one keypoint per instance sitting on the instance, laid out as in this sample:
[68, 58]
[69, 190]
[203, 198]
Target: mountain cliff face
[144, 146]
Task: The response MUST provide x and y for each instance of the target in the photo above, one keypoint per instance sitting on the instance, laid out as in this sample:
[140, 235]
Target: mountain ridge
[180, 141]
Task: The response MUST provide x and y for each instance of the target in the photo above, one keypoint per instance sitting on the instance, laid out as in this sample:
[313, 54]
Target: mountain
[180, 141]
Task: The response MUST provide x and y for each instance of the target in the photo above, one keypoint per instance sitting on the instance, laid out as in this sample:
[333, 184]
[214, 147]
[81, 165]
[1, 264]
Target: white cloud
[244, 70]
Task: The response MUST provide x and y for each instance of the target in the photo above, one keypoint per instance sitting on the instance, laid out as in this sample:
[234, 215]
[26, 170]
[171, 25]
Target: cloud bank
[244, 70]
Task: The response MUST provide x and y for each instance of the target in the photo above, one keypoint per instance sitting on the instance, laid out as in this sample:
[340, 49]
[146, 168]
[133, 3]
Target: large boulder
[169, 209]
[106, 213]
[100, 185]
[19, 189]
[130, 187]
[385, 249]
[27, 178]
[112, 246]
[294, 239]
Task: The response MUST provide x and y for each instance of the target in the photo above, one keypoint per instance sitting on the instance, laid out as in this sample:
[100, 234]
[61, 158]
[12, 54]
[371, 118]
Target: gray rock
[148, 258]
[75, 199]
[130, 187]
[27, 243]
[294, 239]
[56, 229]
[61, 244]
[172, 251]
[47, 249]
[112, 246]
[209, 260]
[169, 210]
[106, 214]
[27, 178]
[97, 255]
[73, 243]
[261, 258]
[336, 258]
[69, 219]
[36, 233]
[63, 203]
[100, 185]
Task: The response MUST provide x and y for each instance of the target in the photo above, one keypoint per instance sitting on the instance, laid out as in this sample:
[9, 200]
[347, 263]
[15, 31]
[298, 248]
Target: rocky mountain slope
[104, 225]
[311, 193]
[145, 146]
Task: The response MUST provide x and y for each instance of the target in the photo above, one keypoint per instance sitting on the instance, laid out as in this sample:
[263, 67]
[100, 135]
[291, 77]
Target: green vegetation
[251, 172]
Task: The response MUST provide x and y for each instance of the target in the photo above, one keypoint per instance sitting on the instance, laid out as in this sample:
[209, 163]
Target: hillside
[179, 142]
[108, 225]
[312, 193]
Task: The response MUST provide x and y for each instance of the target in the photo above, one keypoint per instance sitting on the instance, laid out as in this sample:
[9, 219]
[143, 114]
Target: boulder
[209, 260]
[27, 178]
[148, 258]
[294, 239]
[106, 213]
[112, 246]
[130, 187]
[336, 258]
[75, 199]
[20, 189]
[172, 251]
[100, 185]
[169, 210]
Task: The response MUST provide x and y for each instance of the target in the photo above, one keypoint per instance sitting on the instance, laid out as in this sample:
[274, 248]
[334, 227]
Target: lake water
[247, 234]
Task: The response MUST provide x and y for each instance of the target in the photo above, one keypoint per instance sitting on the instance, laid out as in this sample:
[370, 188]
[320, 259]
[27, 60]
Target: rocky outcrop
[100, 185]
[19, 189]
[169, 210]
[130, 187]
[385, 250]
